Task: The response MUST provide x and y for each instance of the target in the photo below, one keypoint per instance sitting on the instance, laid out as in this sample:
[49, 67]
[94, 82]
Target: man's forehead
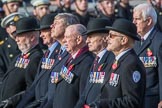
[58, 20]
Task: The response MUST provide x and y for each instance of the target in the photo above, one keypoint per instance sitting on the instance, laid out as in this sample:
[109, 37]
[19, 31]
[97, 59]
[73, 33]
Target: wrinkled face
[24, 41]
[95, 42]
[41, 10]
[58, 28]
[82, 5]
[114, 41]
[46, 36]
[13, 6]
[140, 23]
[70, 41]
[107, 6]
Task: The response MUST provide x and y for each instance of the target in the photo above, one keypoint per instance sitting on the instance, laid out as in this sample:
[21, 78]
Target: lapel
[75, 62]
[147, 42]
[118, 67]
[54, 56]
[104, 61]
[12, 67]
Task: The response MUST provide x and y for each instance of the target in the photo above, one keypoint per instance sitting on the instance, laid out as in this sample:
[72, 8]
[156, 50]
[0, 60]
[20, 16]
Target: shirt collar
[52, 47]
[121, 54]
[100, 54]
[148, 33]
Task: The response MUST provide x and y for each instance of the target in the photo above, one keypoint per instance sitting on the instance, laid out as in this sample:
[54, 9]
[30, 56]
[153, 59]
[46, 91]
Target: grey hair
[68, 18]
[147, 11]
[81, 29]
[78, 29]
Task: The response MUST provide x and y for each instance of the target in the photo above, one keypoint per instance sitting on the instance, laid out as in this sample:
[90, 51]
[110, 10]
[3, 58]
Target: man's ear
[79, 39]
[124, 40]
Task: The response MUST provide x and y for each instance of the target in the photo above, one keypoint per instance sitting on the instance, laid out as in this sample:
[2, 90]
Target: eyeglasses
[112, 36]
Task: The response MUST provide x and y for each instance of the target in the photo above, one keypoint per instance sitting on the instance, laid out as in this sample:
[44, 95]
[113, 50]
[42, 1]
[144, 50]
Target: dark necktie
[142, 40]
[95, 63]
[46, 53]
[70, 59]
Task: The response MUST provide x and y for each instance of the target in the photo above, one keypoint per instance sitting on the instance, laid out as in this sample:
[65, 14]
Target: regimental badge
[54, 77]
[66, 74]
[149, 61]
[114, 79]
[96, 77]
[136, 76]
[16, 18]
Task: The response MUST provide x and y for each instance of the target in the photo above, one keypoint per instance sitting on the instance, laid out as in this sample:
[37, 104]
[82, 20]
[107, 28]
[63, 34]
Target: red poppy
[100, 67]
[114, 66]
[70, 68]
[25, 56]
[149, 52]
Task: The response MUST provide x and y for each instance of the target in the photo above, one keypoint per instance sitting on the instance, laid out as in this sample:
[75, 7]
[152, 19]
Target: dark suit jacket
[129, 77]
[31, 93]
[18, 79]
[51, 87]
[67, 95]
[40, 84]
[92, 90]
[153, 73]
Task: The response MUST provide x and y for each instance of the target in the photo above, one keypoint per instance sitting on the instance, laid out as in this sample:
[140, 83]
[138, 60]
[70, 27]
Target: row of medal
[97, 77]
[65, 74]
[149, 61]
[114, 79]
[47, 63]
[21, 62]
[54, 77]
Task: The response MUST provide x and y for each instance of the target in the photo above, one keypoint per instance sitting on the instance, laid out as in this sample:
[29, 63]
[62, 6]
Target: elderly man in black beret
[125, 85]
[22, 70]
[96, 40]
[39, 87]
